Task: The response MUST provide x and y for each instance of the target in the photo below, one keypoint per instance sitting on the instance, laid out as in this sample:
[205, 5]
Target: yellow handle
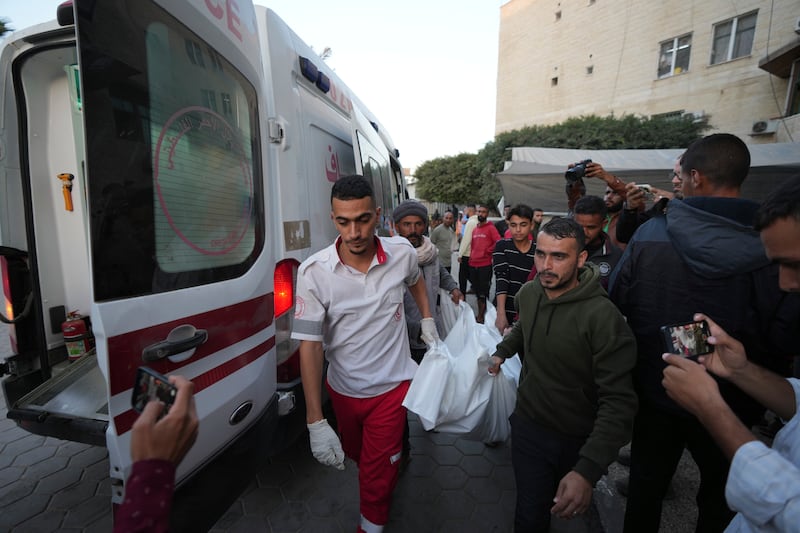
[66, 189]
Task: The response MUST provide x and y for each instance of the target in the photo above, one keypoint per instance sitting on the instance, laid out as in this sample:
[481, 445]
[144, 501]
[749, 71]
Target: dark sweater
[577, 356]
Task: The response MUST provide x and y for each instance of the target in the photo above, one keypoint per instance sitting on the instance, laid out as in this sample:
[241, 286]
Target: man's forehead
[585, 219]
[549, 244]
[354, 208]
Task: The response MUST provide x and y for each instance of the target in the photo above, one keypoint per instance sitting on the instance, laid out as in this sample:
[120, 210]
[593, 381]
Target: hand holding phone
[171, 436]
[647, 190]
[688, 340]
[149, 386]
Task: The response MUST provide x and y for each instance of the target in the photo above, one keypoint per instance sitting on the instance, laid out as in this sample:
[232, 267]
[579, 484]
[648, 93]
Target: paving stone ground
[451, 484]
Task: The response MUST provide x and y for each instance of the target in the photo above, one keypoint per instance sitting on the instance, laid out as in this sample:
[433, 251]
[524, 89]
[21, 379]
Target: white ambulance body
[202, 138]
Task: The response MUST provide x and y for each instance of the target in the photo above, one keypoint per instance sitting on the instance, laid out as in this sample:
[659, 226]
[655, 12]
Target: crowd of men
[582, 299]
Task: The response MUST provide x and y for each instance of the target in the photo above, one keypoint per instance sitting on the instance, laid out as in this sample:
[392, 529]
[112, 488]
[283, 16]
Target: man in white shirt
[350, 297]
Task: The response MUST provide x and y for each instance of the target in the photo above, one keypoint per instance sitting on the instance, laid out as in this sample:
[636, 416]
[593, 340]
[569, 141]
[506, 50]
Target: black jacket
[702, 256]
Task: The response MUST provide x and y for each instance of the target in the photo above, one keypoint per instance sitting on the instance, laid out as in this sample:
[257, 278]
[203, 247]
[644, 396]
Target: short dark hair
[352, 187]
[565, 228]
[782, 202]
[722, 157]
[521, 211]
[538, 210]
[590, 205]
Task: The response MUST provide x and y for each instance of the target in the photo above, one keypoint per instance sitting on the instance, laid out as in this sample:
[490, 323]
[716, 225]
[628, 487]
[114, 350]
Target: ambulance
[165, 166]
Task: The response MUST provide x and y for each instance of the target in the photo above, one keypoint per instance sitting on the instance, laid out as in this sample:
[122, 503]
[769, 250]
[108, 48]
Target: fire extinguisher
[78, 337]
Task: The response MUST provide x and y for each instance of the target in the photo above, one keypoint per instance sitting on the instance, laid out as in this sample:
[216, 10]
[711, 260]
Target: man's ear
[699, 181]
[582, 258]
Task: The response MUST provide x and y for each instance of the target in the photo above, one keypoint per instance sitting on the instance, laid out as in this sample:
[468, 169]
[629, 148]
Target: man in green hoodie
[575, 402]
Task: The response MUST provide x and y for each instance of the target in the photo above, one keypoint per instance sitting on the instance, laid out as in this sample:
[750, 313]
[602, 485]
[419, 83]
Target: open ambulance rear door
[167, 234]
[182, 275]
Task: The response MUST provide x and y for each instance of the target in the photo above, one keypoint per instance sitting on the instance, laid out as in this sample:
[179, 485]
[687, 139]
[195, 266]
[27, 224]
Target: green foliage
[4, 27]
[453, 180]
[470, 177]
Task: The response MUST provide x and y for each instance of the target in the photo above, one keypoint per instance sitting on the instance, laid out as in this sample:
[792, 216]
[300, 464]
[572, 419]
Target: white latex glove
[429, 334]
[325, 445]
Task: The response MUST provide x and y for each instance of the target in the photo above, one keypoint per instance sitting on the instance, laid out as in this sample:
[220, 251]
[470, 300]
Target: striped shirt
[511, 269]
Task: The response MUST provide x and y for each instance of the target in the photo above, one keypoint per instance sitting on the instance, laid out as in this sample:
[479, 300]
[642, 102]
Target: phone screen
[150, 385]
[688, 340]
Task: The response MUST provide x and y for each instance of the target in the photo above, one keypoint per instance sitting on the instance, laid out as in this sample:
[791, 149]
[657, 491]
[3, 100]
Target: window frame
[733, 37]
[674, 52]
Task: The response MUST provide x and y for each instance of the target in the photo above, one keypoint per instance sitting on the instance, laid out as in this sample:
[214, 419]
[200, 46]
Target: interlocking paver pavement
[451, 484]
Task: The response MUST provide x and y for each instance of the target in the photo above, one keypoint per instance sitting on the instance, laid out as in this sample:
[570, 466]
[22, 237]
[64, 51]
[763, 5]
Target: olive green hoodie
[577, 356]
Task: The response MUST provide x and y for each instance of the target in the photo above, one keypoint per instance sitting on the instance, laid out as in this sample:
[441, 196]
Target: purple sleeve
[148, 498]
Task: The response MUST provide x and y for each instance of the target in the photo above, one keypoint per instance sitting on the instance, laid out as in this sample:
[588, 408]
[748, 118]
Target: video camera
[576, 172]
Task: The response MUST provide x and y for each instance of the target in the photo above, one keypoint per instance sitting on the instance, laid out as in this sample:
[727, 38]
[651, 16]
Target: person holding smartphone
[704, 253]
[158, 445]
[763, 484]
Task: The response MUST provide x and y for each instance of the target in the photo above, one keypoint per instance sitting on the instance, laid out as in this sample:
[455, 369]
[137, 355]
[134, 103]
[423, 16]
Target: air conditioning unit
[764, 127]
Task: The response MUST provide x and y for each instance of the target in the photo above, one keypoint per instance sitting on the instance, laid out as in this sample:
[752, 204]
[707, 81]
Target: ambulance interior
[48, 96]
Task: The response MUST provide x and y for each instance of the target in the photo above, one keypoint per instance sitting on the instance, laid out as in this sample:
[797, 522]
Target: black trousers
[463, 274]
[540, 457]
[659, 438]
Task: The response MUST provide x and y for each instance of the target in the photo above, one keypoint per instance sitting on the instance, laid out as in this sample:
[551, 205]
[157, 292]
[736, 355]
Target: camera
[576, 172]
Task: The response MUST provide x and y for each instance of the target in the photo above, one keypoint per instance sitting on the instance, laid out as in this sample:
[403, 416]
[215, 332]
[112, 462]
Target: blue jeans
[540, 457]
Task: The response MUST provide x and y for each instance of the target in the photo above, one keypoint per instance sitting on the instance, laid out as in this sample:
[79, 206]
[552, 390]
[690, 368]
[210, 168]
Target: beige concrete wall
[620, 40]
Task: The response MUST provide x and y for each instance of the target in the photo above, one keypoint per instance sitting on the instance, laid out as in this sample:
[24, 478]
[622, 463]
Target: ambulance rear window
[174, 155]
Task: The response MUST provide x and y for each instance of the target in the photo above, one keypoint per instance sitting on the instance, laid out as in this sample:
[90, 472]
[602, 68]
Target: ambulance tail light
[8, 307]
[287, 356]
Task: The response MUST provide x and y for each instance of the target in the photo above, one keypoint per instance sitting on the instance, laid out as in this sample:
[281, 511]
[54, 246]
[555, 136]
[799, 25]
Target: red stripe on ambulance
[125, 351]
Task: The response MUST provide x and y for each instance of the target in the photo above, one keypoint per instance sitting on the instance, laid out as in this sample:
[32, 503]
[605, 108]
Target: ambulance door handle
[180, 343]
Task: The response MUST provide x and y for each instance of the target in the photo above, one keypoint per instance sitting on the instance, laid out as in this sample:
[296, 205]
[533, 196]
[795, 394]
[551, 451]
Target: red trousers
[371, 430]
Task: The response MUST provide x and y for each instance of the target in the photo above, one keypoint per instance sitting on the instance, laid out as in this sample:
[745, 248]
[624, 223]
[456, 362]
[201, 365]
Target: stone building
[736, 63]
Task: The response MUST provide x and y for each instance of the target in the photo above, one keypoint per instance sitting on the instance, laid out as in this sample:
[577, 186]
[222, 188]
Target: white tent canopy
[535, 175]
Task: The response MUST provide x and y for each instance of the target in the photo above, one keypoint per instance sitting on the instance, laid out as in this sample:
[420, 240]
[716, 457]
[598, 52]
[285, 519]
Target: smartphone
[647, 190]
[688, 340]
[150, 385]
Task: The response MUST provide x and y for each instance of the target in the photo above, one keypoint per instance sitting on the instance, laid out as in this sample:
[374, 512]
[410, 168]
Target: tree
[4, 27]
[587, 132]
[452, 179]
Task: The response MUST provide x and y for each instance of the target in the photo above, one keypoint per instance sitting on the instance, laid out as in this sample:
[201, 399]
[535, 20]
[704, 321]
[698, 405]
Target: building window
[733, 38]
[669, 115]
[590, 70]
[194, 52]
[227, 108]
[554, 81]
[674, 56]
